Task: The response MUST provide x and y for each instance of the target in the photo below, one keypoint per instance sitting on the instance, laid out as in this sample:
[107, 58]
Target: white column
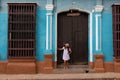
[98, 25]
[49, 8]
[47, 32]
[98, 32]
[51, 32]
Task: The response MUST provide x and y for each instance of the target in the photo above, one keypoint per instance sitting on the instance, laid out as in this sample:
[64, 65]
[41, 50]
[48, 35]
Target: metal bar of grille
[21, 35]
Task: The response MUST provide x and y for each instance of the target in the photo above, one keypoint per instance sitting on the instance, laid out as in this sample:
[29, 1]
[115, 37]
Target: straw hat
[67, 44]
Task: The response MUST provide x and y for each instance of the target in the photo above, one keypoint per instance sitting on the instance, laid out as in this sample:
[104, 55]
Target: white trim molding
[56, 36]
[98, 32]
[79, 9]
[90, 34]
[98, 8]
[90, 56]
[116, 4]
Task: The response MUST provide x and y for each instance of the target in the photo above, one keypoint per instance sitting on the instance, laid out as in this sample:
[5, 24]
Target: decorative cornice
[98, 8]
[49, 7]
[116, 4]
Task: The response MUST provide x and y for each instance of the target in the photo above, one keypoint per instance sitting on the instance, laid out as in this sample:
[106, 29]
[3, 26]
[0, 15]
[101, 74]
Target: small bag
[69, 51]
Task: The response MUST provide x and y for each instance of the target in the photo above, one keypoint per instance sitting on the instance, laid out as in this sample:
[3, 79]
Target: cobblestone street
[81, 76]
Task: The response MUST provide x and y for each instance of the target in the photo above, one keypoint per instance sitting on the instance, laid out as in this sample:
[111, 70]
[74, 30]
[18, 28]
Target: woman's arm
[60, 48]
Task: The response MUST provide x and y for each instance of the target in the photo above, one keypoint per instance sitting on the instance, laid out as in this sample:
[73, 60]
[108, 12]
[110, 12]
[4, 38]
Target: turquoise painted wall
[40, 34]
[107, 37]
[59, 5]
[3, 36]
[107, 41]
[82, 4]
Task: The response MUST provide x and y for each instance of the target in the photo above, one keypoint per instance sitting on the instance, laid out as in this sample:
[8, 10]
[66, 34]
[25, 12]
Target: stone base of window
[21, 68]
[117, 67]
[109, 66]
[3, 67]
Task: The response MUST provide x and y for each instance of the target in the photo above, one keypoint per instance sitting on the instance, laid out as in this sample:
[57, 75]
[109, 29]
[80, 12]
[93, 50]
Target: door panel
[74, 30]
[80, 38]
[64, 33]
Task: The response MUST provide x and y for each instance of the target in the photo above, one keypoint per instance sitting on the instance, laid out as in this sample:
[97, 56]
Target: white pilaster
[98, 32]
[51, 32]
[47, 32]
[49, 8]
[98, 25]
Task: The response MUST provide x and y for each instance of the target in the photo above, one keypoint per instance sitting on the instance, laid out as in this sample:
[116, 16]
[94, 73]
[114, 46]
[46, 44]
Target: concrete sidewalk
[80, 76]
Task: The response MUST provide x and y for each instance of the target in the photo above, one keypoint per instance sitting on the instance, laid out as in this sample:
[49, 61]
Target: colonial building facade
[32, 30]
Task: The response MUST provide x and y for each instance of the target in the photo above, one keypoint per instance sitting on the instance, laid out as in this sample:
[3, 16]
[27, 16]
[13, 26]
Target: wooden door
[64, 33]
[80, 38]
[73, 29]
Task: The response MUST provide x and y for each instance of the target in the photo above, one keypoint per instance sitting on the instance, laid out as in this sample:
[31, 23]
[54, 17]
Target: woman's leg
[65, 64]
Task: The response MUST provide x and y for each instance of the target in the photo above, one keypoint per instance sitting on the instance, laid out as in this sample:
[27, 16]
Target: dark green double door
[73, 29]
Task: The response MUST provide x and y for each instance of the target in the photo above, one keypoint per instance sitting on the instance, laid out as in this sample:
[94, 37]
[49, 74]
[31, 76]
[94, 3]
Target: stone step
[69, 71]
[73, 66]
[73, 69]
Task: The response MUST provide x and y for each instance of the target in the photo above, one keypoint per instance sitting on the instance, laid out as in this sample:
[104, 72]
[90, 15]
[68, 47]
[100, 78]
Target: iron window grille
[116, 30]
[21, 30]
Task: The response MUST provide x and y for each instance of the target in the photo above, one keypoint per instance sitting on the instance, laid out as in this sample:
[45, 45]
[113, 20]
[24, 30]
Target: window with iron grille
[21, 30]
[116, 30]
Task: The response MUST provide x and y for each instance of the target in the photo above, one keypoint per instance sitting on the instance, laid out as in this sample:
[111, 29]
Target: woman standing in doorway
[66, 54]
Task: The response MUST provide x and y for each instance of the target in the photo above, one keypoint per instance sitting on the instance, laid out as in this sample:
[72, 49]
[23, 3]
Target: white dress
[65, 54]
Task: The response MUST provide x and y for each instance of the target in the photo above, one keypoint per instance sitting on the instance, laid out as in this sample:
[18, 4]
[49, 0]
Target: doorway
[72, 27]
